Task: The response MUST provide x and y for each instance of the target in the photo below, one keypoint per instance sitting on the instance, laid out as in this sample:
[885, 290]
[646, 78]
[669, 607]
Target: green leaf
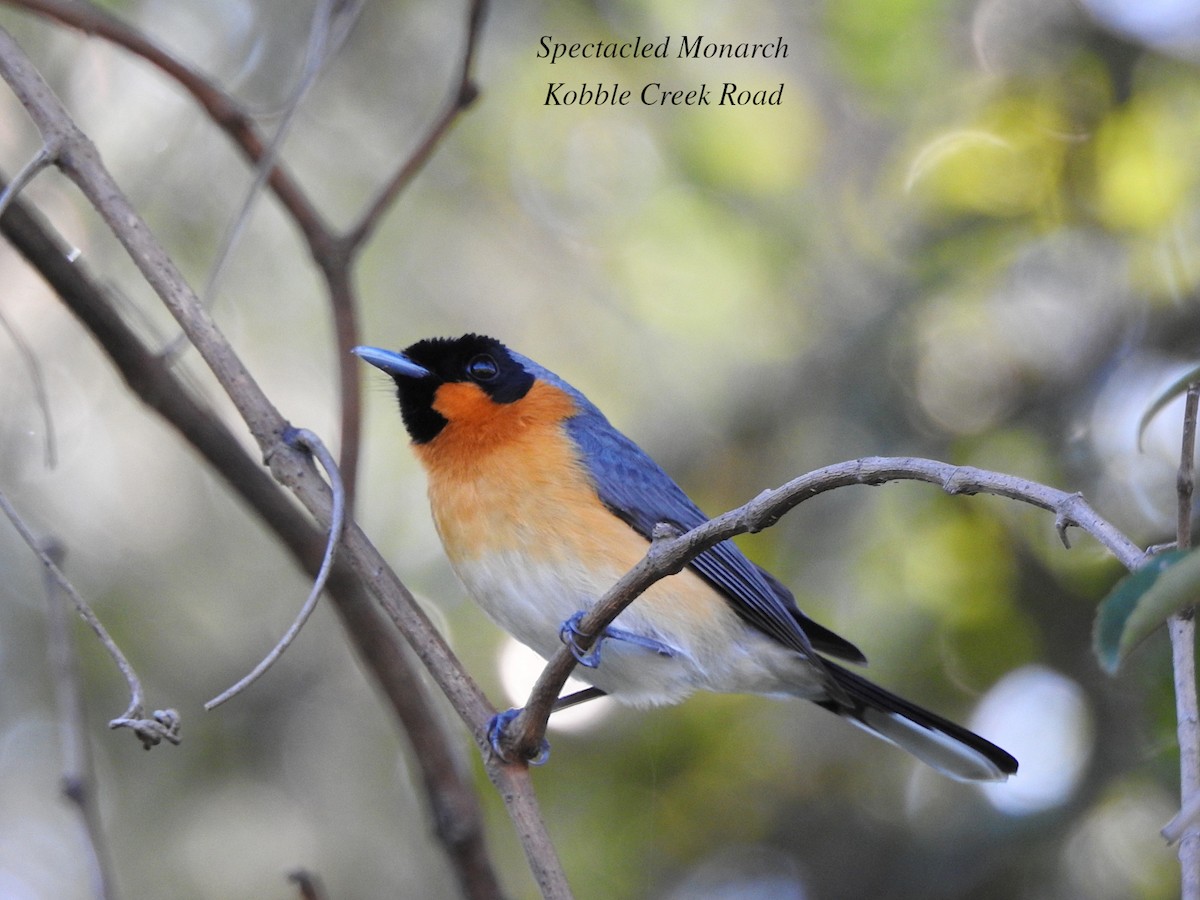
[1143, 600]
[1174, 389]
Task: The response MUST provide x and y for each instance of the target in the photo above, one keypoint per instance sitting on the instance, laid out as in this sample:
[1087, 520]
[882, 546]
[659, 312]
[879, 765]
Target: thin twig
[323, 40]
[304, 438]
[79, 773]
[41, 160]
[1182, 629]
[34, 367]
[308, 886]
[463, 94]
[669, 554]
[165, 723]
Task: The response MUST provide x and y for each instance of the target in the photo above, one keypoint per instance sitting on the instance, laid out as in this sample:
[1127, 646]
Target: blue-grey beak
[395, 364]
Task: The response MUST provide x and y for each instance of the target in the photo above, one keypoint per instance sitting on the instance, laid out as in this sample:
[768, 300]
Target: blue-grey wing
[638, 491]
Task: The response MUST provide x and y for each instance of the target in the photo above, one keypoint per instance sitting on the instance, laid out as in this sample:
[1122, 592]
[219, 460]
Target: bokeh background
[968, 232]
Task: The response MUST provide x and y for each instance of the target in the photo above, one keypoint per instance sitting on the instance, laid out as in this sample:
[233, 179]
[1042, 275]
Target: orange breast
[506, 479]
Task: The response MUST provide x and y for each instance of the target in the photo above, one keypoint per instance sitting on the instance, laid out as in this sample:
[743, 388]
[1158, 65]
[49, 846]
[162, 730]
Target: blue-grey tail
[947, 747]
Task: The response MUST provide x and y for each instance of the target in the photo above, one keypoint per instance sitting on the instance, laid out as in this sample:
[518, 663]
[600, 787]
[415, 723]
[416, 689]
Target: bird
[542, 505]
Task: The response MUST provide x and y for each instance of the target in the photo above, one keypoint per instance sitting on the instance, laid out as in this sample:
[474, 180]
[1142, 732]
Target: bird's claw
[570, 631]
[495, 736]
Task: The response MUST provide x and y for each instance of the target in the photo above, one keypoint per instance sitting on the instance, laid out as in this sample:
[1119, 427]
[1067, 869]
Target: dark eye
[483, 368]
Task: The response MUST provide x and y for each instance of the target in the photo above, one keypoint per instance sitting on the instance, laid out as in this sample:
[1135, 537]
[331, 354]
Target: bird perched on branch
[542, 506]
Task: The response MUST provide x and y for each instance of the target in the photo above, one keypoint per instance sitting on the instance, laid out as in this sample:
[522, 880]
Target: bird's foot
[495, 735]
[570, 631]
[568, 634]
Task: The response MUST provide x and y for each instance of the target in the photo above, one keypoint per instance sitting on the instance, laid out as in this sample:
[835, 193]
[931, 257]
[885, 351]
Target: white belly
[715, 653]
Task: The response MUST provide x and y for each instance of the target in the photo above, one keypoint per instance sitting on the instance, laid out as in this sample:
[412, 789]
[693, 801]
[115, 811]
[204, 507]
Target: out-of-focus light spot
[520, 668]
[1143, 170]
[14, 888]
[1116, 851]
[742, 873]
[1042, 718]
[256, 831]
[1006, 164]
[1169, 25]
[763, 151]
[1054, 310]
[1024, 37]
[945, 146]
[965, 379]
[1136, 484]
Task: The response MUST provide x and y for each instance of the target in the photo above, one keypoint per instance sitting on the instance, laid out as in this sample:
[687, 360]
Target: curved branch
[669, 554]
[310, 441]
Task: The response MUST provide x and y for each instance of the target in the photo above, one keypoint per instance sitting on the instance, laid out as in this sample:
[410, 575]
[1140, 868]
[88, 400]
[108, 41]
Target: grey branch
[79, 773]
[311, 442]
[163, 725]
[1182, 629]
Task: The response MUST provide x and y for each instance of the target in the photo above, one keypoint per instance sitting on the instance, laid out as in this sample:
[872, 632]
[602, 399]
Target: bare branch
[80, 161]
[42, 160]
[1174, 830]
[463, 94]
[308, 440]
[335, 262]
[49, 452]
[308, 886]
[668, 554]
[332, 255]
[79, 774]
[165, 724]
[1182, 629]
[329, 27]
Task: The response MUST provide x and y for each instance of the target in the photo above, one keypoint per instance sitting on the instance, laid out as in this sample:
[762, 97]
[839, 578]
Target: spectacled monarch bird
[542, 505]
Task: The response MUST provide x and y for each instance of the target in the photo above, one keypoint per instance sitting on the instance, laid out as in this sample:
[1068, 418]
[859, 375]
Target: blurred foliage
[968, 233]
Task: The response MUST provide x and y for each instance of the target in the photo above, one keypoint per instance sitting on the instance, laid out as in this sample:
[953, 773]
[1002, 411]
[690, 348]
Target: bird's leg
[570, 631]
[583, 696]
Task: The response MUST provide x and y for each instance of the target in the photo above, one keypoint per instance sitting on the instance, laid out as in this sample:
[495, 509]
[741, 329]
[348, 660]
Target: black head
[423, 368]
